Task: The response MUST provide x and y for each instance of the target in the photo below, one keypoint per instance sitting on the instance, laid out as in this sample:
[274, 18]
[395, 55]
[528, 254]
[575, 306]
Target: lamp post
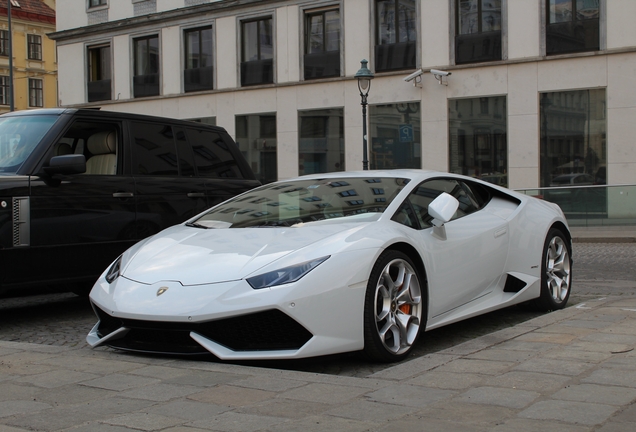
[364, 77]
[11, 104]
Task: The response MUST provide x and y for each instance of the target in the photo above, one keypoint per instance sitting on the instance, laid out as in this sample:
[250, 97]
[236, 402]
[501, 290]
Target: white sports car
[332, 263]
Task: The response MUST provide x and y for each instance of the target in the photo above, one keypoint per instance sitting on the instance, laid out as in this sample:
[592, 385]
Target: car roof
[107, 115]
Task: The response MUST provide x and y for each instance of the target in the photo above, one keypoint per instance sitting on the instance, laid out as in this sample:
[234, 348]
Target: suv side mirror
[66, 164]
[442, 209]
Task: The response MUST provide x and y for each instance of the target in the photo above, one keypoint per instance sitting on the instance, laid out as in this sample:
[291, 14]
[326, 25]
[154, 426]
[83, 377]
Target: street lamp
[364, 77]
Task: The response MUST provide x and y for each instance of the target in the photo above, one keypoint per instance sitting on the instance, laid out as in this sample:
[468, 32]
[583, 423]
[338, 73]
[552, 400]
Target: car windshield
[297, 202]
[18, 137]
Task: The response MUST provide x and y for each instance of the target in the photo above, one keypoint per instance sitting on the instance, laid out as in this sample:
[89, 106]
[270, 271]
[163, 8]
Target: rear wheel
[393, 309]
[556, 272]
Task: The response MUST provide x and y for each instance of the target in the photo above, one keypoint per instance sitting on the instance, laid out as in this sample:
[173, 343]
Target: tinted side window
[426, 192]
[154, 150]
[212, 156]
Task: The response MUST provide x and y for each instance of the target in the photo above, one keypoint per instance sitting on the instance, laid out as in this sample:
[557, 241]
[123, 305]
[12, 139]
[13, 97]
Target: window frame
[4, 43]
[454, 20]
[96, 4]
[5, 90]
[36, 93]
[184, 63]
[306, 14]
[134, 40]
[34, 47]
[244, 64]
[375, 22]
[89, 68]
[602, 30]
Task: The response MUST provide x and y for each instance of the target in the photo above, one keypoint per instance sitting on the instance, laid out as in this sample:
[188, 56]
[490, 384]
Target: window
[212, 156]
[478, 138]
[322, 44]
[198, 71]
[4, 43]
[572, 26]
[478, 27]
[34, 43]
[256, 138]
[414, 212]
[5, 89]
[396, 34]
[573, 137]
[36, 95]
[395, 136]
[99, 73]
[257, 58]
[95, 3]
[321, 143]
[146, 66]
[155, 153]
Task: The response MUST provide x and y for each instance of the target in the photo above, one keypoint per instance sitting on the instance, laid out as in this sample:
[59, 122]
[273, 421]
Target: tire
[556, 272]
[393, 308]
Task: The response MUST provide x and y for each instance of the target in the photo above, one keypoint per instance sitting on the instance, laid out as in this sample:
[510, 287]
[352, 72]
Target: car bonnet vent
[21, 222]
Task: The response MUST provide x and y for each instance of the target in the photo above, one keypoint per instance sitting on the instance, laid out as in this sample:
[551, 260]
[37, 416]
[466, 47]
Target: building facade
[34, 59]
[525, 94]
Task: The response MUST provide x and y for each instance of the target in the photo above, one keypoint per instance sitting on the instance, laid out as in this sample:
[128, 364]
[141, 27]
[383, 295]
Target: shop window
[321, 141]
[322, 44]
[256, 138]
[395, 136]
[478, 144]
[573, 148]
[396, 35]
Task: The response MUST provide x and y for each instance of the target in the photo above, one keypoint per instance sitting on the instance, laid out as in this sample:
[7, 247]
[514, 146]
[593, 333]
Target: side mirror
[442, 209]
[66, 164]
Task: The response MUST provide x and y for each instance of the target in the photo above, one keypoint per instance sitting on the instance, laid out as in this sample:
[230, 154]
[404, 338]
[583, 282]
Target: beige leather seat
[103, 147]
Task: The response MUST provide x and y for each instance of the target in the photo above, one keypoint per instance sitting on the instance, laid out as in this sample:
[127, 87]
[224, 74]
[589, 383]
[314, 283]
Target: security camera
[414, 75]
[439, 76]
[440, 72]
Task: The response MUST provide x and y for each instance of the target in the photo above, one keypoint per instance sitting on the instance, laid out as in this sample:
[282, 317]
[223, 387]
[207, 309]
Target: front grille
[261, 331]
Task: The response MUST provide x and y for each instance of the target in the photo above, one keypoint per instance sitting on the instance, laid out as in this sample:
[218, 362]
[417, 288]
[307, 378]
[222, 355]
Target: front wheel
[393, 308]
[556, 272]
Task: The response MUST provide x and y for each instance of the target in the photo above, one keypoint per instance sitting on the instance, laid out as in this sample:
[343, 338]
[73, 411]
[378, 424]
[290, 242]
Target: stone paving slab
[571, 370]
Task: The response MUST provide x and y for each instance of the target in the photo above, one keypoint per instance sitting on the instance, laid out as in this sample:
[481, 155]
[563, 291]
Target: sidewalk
[571, 370]
[604, 234]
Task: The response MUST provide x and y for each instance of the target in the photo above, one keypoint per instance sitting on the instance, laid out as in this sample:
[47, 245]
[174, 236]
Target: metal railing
[612, 205]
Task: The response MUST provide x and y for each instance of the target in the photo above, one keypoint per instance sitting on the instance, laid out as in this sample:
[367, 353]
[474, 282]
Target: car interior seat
[102, 146]
[63, 149]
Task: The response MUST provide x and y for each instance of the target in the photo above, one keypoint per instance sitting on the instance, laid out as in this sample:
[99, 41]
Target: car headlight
[285, 275]
[114, 270]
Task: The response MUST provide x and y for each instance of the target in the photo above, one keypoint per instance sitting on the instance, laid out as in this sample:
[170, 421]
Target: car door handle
[196, 195]
[123, 195]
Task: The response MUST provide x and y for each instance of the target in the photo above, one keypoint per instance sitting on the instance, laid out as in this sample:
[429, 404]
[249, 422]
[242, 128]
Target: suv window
[97, 141]
[212, 156]
[154, 150]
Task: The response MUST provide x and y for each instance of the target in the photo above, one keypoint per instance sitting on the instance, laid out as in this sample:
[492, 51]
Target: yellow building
[34, 57]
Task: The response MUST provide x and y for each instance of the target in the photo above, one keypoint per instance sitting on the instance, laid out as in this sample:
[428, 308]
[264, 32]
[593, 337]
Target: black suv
[80, 186]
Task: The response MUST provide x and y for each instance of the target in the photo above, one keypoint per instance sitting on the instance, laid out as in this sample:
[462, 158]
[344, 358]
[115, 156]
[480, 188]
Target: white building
[538, 88]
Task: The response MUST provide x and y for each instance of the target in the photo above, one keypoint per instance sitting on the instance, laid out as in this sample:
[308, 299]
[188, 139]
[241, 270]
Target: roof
[30, 10]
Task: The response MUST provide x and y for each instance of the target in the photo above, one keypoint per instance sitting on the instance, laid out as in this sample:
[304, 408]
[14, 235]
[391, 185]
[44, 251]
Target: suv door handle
[123, 195]
[196, 195]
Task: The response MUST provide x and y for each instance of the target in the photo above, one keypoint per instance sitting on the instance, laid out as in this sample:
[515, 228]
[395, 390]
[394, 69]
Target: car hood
[194, 256]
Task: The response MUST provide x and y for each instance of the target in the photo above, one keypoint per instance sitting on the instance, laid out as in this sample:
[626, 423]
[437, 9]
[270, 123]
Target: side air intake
[21, 222]
[513, 284]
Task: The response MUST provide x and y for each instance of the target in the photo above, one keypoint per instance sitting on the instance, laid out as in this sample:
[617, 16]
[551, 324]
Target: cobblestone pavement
[65, 319]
